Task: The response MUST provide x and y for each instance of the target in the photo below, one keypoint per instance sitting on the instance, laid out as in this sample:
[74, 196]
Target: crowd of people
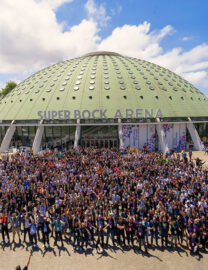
[99, 198]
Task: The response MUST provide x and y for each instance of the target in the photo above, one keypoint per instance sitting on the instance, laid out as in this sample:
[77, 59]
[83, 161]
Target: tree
[8, 88]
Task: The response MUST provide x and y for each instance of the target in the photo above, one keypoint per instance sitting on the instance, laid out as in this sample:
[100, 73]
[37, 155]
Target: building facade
[104, 99]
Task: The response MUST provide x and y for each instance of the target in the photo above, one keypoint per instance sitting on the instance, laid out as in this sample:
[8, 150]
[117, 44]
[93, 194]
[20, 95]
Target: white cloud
[190, 64]
[96, 13]
[197, 78]
[54, 4]
[135, 40]
[186, 38]
[32, 38]
[116, 10]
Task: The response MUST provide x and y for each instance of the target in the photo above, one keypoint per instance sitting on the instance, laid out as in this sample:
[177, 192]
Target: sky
[37, 33]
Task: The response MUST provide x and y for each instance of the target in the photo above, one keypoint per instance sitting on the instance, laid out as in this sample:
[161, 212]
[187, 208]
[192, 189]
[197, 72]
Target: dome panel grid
[128, 82]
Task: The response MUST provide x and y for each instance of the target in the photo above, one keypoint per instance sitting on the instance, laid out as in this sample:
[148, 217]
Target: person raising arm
[18, 267]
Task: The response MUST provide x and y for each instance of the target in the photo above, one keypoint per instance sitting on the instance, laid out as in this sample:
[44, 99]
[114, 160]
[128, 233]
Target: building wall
[175, 135]
[139, 136]
[145, 136]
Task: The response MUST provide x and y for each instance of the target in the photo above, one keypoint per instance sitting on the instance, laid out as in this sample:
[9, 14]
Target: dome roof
[104, 81]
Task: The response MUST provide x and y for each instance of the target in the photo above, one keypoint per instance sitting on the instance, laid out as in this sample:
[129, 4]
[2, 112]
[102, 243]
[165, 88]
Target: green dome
[104, 81]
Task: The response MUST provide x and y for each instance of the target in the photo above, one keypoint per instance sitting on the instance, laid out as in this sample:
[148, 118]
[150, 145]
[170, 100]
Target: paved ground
[111, 259]
[203, 156]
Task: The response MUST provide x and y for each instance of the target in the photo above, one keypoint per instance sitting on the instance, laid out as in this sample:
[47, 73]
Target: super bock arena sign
[99, 114]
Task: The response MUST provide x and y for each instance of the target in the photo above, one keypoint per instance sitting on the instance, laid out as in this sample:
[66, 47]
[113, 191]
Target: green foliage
[8, 88]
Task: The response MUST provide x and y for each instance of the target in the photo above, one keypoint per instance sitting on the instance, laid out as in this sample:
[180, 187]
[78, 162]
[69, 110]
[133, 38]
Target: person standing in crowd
[4, 227]
[39, 223]
[190, 154]
[130, 230]
[46, 231]
[100, 238]
[76, 234]
[147, 229]
[98, 196]
[181, 227]
[27, 224]
[141, 232]
[84, 235]
[154, 225]
[100, 233]
[90, 229]
[58, 232]
[110, 229]
[33, 233]
[174, 232]
[185, 157]
[121, 231]
[193, 243]
[64, 224]
[14, 220]
[204, 236]
[164, 229]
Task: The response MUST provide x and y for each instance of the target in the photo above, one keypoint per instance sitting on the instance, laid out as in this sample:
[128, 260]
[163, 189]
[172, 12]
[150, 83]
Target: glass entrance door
[99, 136]
[99, 143]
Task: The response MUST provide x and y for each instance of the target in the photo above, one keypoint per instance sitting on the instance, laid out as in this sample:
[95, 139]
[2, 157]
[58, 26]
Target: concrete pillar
[37, 140]
[120, 135]
[198, 145]
[161, 135]
[77, 134]
[7, 138]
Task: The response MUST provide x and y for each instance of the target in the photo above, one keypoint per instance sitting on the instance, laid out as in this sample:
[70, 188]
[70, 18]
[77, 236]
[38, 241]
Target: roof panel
[103, 81]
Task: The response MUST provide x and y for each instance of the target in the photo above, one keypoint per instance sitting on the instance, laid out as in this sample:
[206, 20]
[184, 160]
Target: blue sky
[170, 33]
[188, 17]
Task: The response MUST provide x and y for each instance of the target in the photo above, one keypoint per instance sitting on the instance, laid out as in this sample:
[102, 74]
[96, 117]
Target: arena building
[104, 99]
